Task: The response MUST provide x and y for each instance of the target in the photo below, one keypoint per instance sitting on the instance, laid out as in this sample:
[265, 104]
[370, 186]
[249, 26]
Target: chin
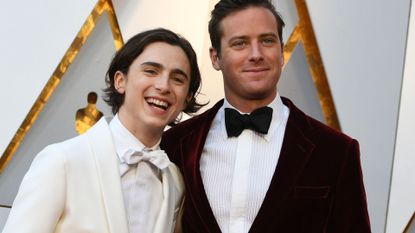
[260, 95]
[157, 123]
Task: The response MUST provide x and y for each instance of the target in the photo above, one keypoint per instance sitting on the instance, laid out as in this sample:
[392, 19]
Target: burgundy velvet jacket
[317, 185]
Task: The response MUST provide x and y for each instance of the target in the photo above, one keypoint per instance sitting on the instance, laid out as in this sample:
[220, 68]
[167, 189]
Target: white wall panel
[4, 212]
[56, 122]
[296, 84]
[363, 44]
[402, 197]
[187, 17]
[34, 37]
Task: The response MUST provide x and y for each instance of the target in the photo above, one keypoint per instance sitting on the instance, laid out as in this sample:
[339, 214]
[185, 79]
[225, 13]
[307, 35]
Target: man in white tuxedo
[114, 178]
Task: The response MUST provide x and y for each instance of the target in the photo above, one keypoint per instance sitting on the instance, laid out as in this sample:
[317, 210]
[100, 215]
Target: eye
[239, 44]
[150, 71]
[179, 79]
[268, 41]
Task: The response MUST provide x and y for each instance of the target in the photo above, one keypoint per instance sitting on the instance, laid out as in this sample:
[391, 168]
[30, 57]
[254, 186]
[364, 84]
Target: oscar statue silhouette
[88, 116]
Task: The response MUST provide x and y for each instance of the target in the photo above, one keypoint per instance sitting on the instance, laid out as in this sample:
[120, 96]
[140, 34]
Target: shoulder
[57, 154]
[315, 129]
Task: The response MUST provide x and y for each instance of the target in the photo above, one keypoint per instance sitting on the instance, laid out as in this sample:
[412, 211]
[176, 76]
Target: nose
[162, 84]
[256, 53]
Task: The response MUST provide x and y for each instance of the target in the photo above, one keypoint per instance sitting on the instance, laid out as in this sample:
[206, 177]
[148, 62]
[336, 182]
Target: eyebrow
[261, 36]
[237, 38]
[150, 63]
[160, 66]
[273, 34]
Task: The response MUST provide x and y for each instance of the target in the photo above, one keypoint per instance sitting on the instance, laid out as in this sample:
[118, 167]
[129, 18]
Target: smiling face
[155, 88]
[251, 57]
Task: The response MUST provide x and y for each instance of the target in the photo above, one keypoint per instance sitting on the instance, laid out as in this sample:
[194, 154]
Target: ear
[189, 97]
[119, 82]
[214, 57]
[187, 101]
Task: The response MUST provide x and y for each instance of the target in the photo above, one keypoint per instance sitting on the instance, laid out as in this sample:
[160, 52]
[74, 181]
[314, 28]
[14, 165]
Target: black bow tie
[259, 121]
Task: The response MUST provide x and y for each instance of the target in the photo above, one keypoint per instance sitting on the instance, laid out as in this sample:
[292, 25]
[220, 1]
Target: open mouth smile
[158, 103]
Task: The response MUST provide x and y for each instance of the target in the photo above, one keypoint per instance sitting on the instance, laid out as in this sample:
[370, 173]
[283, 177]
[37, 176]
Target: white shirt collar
[124, 141]
[279, 110]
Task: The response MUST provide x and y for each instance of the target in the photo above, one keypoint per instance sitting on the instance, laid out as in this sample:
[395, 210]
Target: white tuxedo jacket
[75, 186]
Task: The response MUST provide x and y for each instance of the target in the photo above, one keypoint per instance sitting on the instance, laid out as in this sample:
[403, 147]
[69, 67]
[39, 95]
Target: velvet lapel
[295, 152]
[190, 152]
[109, 177]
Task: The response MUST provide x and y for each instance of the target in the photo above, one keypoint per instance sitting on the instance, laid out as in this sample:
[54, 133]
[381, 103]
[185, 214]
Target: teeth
[157, 102]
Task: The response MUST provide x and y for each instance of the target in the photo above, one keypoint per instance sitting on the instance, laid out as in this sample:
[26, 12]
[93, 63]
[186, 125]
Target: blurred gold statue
[88, 116]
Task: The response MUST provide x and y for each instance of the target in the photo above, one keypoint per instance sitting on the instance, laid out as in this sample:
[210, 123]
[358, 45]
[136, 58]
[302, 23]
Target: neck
[249, 105]
[146, 135]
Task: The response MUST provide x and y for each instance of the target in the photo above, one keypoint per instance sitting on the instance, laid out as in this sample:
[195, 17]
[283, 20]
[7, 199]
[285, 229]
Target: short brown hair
[225, 7]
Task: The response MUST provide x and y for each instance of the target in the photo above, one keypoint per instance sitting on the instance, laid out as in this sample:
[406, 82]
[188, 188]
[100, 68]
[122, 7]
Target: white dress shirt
[141, 184]
[237, 171]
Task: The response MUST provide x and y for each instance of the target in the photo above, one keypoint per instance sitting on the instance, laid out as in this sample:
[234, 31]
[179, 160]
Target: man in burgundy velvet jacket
[254, 162]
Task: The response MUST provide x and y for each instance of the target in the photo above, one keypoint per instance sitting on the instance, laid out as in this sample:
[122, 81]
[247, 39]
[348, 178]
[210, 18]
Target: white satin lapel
[108, 172]
[173, 189]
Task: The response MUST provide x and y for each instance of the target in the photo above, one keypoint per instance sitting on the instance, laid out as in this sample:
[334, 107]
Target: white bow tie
[132, 158]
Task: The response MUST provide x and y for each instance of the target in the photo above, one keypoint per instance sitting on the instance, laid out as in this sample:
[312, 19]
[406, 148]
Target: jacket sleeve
[349, 213]
[40, 200]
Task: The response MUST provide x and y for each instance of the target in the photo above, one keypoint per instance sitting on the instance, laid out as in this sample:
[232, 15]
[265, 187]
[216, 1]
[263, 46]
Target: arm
[41, 197]
[349, 208]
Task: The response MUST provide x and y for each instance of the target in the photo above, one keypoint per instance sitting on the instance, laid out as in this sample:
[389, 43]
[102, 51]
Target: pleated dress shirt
[237, 171]
[140, 178]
